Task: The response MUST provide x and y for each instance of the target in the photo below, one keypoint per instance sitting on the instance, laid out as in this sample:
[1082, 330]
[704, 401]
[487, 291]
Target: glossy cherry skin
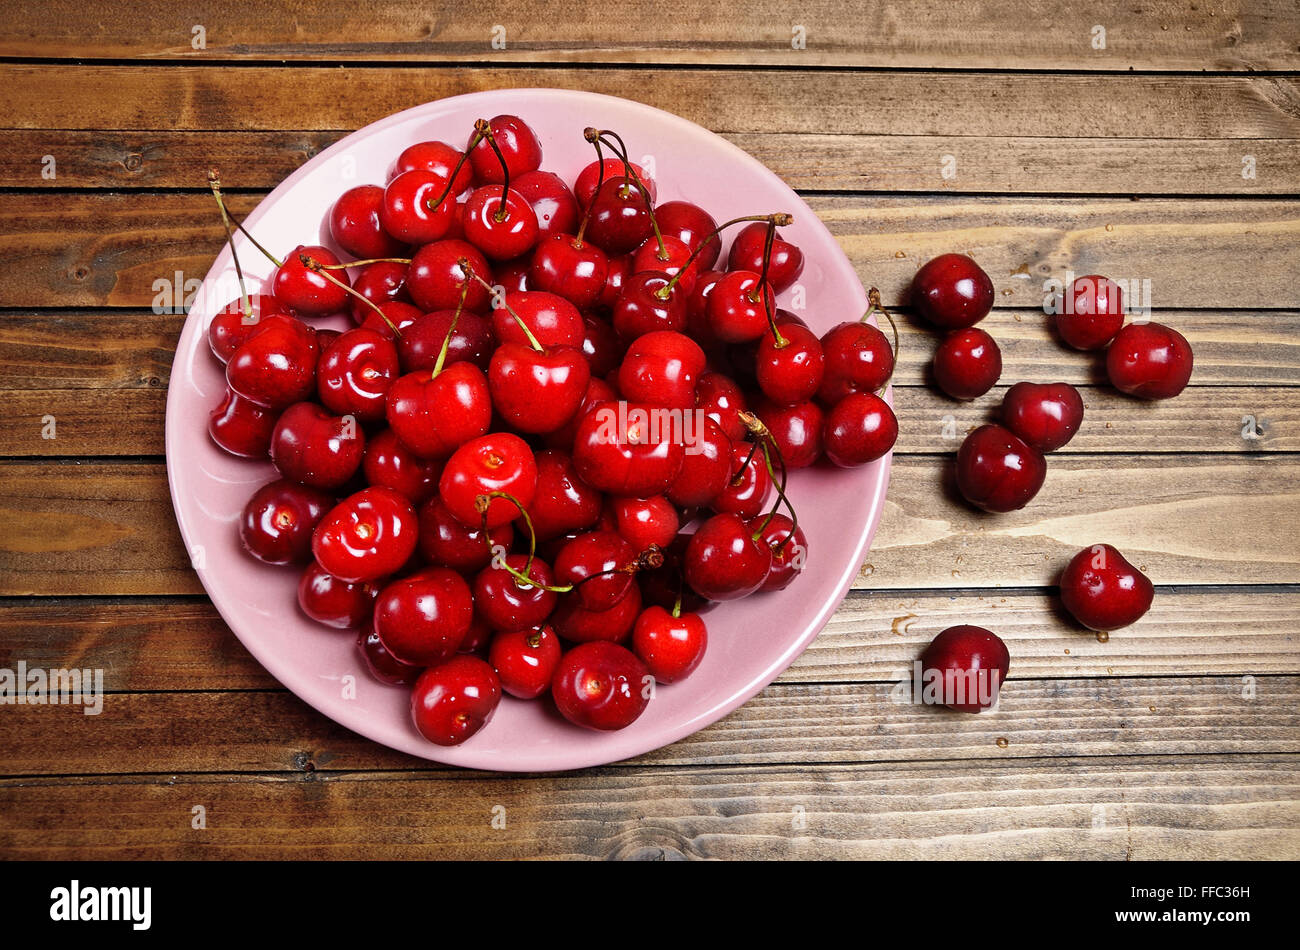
[706, 467]
[477, 638]
[435, 415]
[858, 359]
[601, 686]
[954, 655]
[313, 447]
[620, 450]
[952, 292]
[526, 660]
[619, 218]
[601, 345]
[472, 341]
[1103, 591]
[796, 430]
[240, 427]
[507, 603]
[355, 373]
[382, 665]
[437, 157]
[501, 227]
[577, 624]
[518, 145]
[553, 204]
[1149, 360]
[537, 391]
[572, 269]
[551, 319]
[791, 373]
[597, 564]
[620, 269]
[334, 602]
[691, 225]
[663, 586]
[967, 363]
[497, 462]
[598, 391]
[723, 401]
[644, 522]
[422, 619]
[452, 701]
[750, 485]
[447, 542]
[697, 307]
[670, 647]
[724, 561]
[997, 471]
[1045, 415]
[660, 369]
[670, 258]
[277, 522]
[648, 303]
[354, 224]
[435, 278]
[789, 549]
[512, 275]
[392, 315]
[381, 282]
[737, 310]
[563, 502]
[366, 536]
[389, 463]
[407, 211]
[231, 328]
[784, 266]
[276, 366]
[304, 291]
[1092, 312]
[858, 429]
[584, 186]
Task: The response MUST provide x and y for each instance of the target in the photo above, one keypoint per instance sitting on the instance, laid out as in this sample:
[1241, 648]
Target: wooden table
[1156, 141]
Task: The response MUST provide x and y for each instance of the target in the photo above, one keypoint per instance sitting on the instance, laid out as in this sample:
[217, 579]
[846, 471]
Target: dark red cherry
[437, 157]
[396, 315]
[690, 224]
[518, 145]
[512, 276]
[446, 541]
[706, 466]
[747, 491]
[231, 328]
[421, 342]
[355, 373]
[553, 204]
[577, 624]
[537, 391]
[313, 447]
[601, 686]
[648, 303]
[619, 218]
[506, 602]
[627, 449]
[389, 463]
[723, 401]
[724, 560]
[697, 308]
[355, 227]
[277, 522]
[952, 292]
[454, 700]
[381, 282]
[858, 358]
[737, 310]
[670, 257]
[366, 536]
[572, 269]
[644, 522]
[670, 647]
[435, 415]
[422, 619]
[601, 345]
[305, 291]
[497, 462]
[407, 211]
[382, 665]
[1149, 360]
[858, 429]
[660, 368]
[1045, 415]
[598, 391]
[563, 502]
[435, 279]
[790, 371]
[620, 269]
[967, 363]
[551, 319]
[334, 602]
[477, 639]
[1103, 591]
[526, 660]
[997, 471]
[584, 187]
[784, 265]
[1091, 313]
[501, 227]
[598, 565]
[789, 549]
[797, 431]
[240, 427]
[964, 668]
[276, 366]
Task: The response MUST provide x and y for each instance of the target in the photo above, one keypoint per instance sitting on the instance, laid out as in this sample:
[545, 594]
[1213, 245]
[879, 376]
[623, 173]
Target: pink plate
[750, 641]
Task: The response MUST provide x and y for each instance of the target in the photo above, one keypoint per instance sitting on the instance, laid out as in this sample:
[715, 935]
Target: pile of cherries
[471, 475]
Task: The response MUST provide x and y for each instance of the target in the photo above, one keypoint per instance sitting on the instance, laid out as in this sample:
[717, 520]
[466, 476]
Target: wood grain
[95, 250]
[1118, 808]
[1235, 35]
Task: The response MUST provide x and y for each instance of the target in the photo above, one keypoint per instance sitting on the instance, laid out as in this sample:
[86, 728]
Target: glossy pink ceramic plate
[750, 641]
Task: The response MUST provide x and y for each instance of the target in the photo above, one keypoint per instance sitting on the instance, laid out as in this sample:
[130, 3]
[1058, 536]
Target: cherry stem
[600, 180]
[740, 472]
[309, 262]
[781, 218]
[451, 329]
[465, 266]
[875, 306]
[369, 260]
[486, 131]
[778, 340]
[464, 157]
[780, 497]
[619, 148]
[767, 260]
[214, 182]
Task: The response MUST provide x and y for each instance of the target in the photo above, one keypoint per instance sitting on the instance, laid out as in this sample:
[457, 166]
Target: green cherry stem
[451, 329]
[468, 269]
[369, 260]
[214, 182]
[315, 266]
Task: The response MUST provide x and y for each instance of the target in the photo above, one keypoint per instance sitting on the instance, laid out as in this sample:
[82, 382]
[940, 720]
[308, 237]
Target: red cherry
[505, 602]
[381, 282]
[618, 218]
[952, 292]
[1045, 415]
[1092, 312]
[627, 449]
[563, 502]
[1103, 591]
[389, 463]
[577, 624]
[421, 343]
[858, 429]
[500, 227]
[382, 665]
[355, 227]
[967, 363]
[277, 522]
[276, 366]
[366, 536]
[241, 427]
[750, 485]
[789, 549]
[706, 467]
[537, 391]
[551, 319]
[598, 391]
[724, 561]
[736, 309]
[435, 279]
[670, 647]
[664, 585]
[595, 563]
[422, 619]
[305, 291]
[647, 303]
[477, 638]
[601, 686]
[454, 700]
[859, 359]
[395, 314]
[697, 307]
[785, 263]
[643, 522]
[584, 187]
[446, 541]
[525, 660]
[552, 202]
[437, 157]
[660, 368]
[796, 430]
[230, 328]
[435, 415]
[964, 668]
[518, 145]
[1149, 360]
[512, 275]
[690, 224]
[355, 373]
[497, 462]
[670, 259]
[601, 346]
[407, 211]
[313, 447]
[572, 269]
[790, 373]
[723, 401]
[997, 471]
[620, 269]
[334, 602]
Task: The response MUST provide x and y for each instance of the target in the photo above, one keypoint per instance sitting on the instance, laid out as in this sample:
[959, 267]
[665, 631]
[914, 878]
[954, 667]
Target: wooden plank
[94, 250]
[171, 644]
[1119, 807]
[930, 34]
[844, 162]
[277, 732]
[790, 101]
[108, 528]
